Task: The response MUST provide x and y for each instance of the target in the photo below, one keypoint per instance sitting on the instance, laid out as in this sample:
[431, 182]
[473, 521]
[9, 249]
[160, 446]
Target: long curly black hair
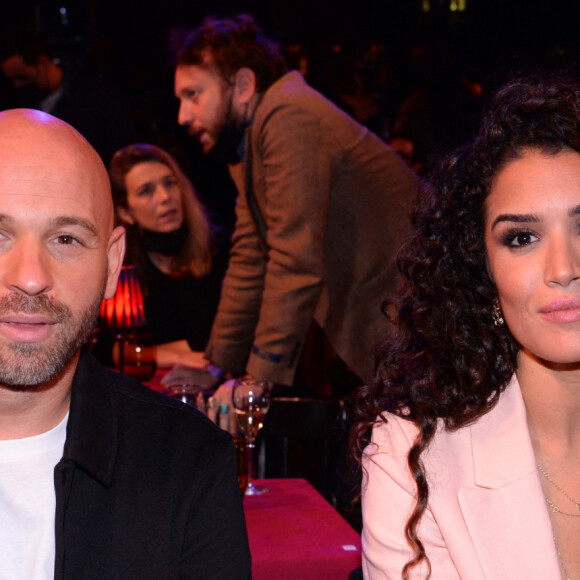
[446, 360]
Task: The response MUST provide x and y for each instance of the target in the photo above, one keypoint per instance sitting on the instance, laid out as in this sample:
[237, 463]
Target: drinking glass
[187, 393]
[251, 399]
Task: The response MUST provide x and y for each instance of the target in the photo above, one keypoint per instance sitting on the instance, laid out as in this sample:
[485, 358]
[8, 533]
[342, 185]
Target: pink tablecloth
[295, 534]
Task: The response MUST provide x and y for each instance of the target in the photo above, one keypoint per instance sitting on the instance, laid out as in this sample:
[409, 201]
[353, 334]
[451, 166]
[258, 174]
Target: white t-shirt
[28, 503]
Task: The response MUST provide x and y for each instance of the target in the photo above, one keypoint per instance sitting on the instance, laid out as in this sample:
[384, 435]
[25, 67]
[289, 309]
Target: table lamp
[124, 313]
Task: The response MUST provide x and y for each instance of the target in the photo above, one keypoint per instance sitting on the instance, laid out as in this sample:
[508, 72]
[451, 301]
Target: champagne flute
[251, 399]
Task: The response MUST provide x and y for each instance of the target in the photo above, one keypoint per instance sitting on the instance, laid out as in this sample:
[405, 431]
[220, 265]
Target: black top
[178, 309]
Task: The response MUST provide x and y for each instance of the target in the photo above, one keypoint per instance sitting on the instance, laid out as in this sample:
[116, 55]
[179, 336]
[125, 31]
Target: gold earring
[496, 313]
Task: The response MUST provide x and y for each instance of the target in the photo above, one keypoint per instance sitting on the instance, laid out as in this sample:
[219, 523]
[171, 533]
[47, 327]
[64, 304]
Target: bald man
[99, 476]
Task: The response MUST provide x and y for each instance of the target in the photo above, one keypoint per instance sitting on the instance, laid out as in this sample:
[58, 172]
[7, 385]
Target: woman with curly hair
[470, 438]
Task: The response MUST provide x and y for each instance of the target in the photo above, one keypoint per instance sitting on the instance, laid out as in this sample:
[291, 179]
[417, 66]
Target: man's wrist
[217, 372]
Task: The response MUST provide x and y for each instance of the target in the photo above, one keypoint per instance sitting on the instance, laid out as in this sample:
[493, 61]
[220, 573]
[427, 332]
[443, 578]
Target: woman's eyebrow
[517, 218]
[526, 218]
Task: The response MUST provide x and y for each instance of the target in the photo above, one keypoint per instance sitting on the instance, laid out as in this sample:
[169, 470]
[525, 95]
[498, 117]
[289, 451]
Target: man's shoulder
[293, 90]
[137, 411]
[133, 399]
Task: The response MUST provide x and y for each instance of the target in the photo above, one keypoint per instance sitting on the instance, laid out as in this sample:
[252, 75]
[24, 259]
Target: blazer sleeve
[388, 499]
[233, 329]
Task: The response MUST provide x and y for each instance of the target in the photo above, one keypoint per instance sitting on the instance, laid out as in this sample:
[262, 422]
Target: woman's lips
[564, 311]
[168, 214]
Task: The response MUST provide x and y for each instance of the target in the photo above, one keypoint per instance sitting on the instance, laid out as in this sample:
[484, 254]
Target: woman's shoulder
[394, 436]
[385, 457]
[394, 432]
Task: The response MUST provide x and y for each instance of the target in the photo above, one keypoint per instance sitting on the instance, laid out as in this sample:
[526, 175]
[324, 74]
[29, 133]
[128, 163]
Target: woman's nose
[162, 193]
[562, 262]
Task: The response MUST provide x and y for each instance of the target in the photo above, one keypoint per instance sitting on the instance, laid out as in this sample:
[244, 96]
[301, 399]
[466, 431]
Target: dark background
[127, 40]
[122, 34]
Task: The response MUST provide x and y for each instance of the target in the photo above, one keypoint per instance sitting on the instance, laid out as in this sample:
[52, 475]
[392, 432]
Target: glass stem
[250, 457]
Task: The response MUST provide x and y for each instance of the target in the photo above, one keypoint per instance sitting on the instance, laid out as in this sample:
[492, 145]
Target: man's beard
[229, 137]
[26, 365]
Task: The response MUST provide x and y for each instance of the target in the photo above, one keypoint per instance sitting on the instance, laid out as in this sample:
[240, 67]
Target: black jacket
[146, 488]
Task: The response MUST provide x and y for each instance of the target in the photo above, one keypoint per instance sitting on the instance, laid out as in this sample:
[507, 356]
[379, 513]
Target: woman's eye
[148, 190]
[170, 183]
[519, 239]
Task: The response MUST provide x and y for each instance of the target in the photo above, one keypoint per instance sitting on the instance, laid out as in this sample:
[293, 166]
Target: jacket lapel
[505, 512]
[92, 420]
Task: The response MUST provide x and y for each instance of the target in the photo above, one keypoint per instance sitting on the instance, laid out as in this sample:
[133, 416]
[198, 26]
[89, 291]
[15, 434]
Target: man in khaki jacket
[321, 206]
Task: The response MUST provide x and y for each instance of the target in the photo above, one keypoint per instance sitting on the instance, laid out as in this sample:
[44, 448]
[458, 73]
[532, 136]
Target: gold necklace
[552, 505]
[561, 558]
[555, 509]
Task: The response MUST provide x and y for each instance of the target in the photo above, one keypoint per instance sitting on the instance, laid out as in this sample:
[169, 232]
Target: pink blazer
[487, 517]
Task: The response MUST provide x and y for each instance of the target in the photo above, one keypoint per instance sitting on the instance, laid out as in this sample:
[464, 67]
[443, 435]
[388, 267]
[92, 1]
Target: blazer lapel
[505, 512]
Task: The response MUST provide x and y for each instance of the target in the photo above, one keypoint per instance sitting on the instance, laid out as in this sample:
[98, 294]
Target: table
[295, 534]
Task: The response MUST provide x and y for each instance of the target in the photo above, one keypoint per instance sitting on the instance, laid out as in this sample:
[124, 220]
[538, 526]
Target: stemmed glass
[251, 399]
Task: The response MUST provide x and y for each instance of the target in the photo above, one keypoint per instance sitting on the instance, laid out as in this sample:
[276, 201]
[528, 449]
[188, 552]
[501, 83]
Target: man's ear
[115, 255]
[244, 85]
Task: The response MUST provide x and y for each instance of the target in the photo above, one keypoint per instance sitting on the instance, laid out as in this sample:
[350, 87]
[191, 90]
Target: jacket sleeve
[388, 499]
[232, 332]
[216, 541]
[293, 164]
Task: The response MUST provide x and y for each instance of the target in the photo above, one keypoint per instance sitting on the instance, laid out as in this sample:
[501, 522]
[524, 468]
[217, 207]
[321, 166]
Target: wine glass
[251, 399]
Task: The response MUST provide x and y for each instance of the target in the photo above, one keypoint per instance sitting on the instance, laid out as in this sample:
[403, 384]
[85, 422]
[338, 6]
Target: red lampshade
[125, 309]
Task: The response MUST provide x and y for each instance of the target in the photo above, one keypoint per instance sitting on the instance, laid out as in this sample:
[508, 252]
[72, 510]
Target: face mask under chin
[165, 243]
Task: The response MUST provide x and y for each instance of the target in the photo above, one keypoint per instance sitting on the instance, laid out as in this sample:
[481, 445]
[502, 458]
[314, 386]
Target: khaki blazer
[487, 517]
[321, 210]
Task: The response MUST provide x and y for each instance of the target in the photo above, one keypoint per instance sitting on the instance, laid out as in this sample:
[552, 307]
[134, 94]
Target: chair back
[302, 438]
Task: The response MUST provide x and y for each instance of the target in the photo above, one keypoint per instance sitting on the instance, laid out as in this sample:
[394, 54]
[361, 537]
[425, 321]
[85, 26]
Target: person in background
[440, 110]
[181, 257]
[100, 477]
[470, 437]
[321, 209]
[57, 85]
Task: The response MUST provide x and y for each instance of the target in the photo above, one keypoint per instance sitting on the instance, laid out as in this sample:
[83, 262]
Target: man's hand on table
[208, 377]
[225, 416]
[181, 375]
[171, 354]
